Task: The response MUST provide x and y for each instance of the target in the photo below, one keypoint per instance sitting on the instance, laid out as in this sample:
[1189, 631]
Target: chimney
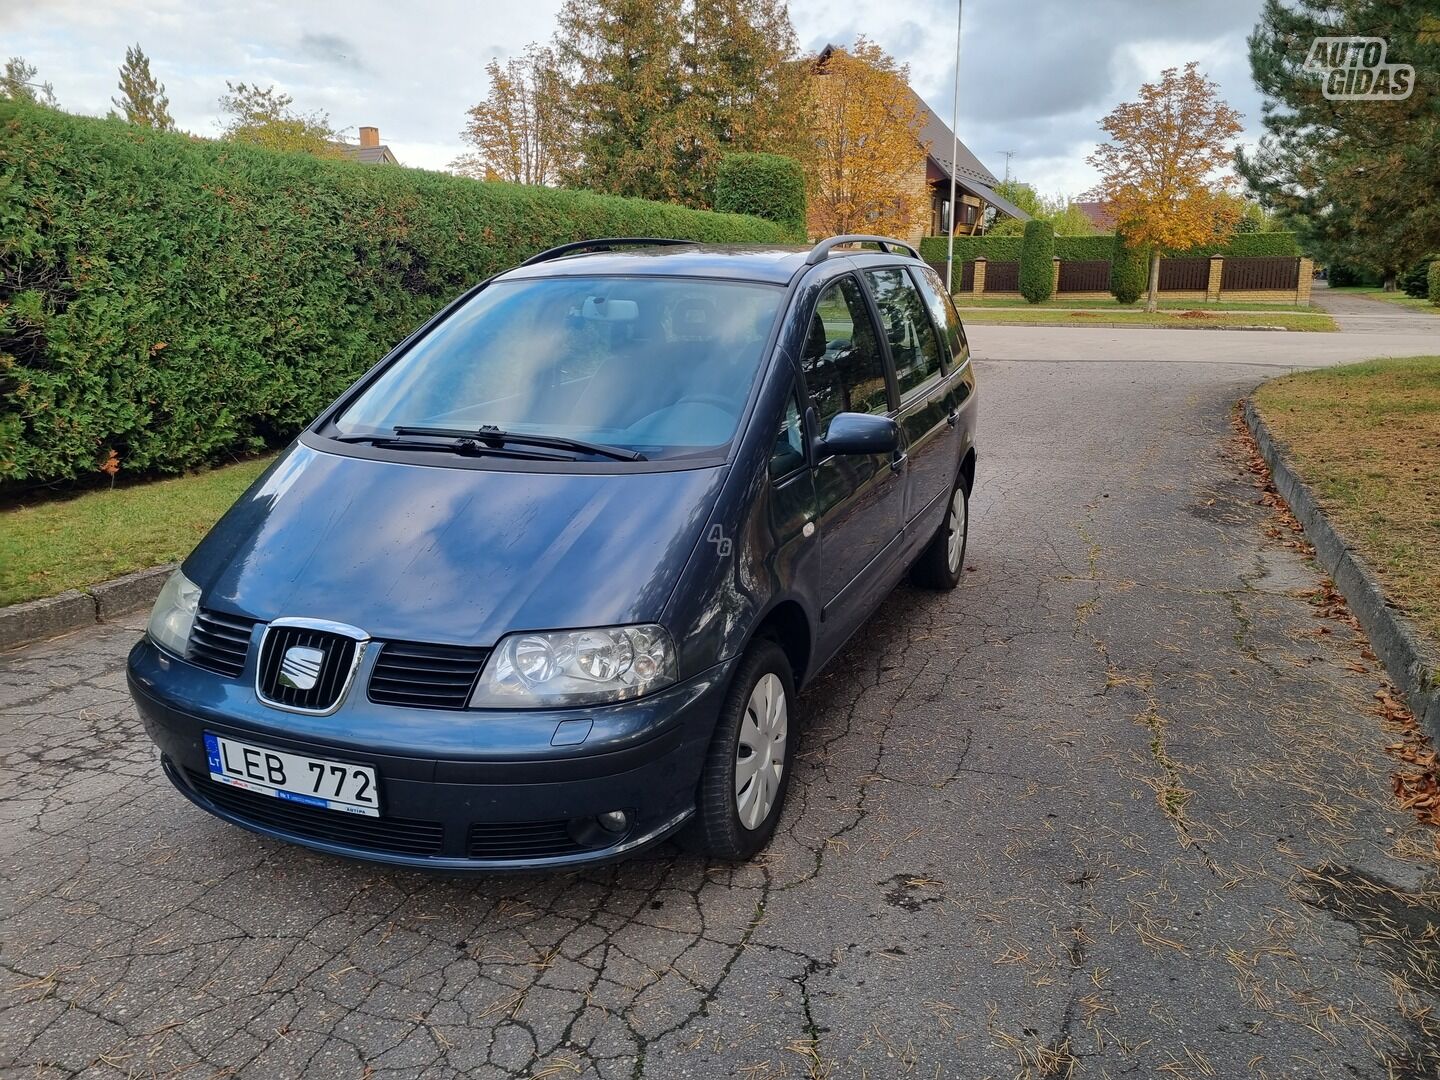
[369, 136]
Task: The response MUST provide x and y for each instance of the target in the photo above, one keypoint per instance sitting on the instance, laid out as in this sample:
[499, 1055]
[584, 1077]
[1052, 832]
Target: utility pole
[954, 156]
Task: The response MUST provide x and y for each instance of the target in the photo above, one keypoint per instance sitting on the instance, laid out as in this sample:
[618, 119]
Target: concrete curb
[36, 620]
[1412, 665]
[1141, 326]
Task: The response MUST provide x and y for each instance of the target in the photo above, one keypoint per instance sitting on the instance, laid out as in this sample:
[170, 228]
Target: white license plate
[333, 785]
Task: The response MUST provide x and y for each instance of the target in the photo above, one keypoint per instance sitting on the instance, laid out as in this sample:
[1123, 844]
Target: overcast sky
[1036, 75]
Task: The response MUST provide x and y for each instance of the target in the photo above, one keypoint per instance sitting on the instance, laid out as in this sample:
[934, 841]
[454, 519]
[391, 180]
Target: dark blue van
[539, 590]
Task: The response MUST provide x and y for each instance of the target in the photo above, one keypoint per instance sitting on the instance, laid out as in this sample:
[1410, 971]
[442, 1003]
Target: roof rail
[609, 243]
[821, 251]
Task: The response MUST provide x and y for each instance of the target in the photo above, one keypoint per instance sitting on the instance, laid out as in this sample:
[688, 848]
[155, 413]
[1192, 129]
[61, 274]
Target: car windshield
[662, 366]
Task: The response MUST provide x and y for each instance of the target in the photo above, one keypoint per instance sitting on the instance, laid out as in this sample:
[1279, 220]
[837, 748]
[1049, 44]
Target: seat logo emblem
[300, 669]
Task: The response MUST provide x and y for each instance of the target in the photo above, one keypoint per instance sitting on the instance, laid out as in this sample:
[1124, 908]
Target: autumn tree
[865, 158]
[519, 132]
[265, 117]
[1158, 170]
[20, 82]
[1356, 180]
[142, 98]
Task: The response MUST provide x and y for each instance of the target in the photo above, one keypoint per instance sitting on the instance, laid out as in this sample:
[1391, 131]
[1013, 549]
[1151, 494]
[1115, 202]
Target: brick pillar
[1217, 271]
[1302, 288]
[979, 277]
[1055, 281]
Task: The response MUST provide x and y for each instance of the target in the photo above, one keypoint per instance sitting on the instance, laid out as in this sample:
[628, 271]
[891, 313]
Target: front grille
[425, 676]
[330, 672]
[219, 642]
[521, 840]
[376, 834]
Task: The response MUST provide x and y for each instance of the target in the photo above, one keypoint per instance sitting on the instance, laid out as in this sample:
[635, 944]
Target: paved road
[1118, 806]
[1359, 315]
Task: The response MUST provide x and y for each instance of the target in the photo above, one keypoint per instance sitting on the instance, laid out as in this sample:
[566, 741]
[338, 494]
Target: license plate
[332, 785]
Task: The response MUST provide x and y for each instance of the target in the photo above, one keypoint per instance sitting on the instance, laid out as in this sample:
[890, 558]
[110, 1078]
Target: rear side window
[913, 342]
[841, 361]
[943, 309]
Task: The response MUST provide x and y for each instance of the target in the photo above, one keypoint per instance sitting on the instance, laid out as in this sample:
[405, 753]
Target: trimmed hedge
[1087, 248]
[176, 301]
[1129, 271]
[767, 186]
[1434, 282]
[1037, 261]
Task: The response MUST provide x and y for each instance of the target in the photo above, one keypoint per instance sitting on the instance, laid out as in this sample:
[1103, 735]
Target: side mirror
[860, 433]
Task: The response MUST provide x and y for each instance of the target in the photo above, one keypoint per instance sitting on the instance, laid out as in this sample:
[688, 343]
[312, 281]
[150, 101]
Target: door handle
[953, 418]
[898, 461]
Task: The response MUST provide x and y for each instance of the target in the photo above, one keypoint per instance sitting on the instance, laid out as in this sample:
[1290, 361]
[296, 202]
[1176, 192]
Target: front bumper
[474, 790]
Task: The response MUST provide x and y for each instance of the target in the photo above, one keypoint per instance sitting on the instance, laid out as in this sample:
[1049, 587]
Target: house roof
[942, 141]
[370, 155]
[1099, 214]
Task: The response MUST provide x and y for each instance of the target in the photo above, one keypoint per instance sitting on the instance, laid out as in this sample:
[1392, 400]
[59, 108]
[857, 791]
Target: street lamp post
[954, 156]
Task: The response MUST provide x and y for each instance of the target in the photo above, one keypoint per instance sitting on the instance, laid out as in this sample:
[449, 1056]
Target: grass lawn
[1289, 320]
[68, 544]
[963, 302]
[1399, 299]
[1366, 438]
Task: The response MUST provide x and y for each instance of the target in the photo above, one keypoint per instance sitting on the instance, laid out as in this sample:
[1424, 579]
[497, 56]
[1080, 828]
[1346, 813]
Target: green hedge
[1085, 248]
[1037, 261]
[1129, 271]
[176, 300]
[1433, 282]
[769, 186]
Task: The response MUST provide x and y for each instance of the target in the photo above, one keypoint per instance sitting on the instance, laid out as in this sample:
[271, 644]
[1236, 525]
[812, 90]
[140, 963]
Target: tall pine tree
[1358, 180]
[142, 98]
[660, 90]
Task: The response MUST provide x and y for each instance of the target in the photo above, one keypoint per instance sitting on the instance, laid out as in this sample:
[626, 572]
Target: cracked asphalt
[1118, 806]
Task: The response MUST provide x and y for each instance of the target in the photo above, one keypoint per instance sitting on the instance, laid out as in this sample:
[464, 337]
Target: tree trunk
[1152, 299]
[1390, 276]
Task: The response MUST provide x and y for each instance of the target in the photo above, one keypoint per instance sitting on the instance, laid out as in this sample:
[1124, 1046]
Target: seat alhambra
[541, 587]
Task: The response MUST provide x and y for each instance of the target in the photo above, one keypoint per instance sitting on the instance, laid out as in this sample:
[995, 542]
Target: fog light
[616, 821]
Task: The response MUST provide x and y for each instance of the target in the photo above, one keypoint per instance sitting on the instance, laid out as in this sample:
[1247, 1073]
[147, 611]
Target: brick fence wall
[1213, 280]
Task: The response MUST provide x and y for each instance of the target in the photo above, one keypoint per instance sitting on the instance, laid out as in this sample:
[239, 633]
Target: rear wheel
[747, 768]
[942, 563]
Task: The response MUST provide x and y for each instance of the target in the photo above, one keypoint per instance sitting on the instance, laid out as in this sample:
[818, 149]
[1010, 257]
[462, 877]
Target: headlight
[576, 667]
[173, 613]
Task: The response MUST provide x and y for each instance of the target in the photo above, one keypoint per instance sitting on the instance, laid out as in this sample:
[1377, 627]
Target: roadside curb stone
[1411, 665]
[36, 620]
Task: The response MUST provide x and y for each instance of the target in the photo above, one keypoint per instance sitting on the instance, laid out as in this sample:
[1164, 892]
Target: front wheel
[747, 768]
[942, 563]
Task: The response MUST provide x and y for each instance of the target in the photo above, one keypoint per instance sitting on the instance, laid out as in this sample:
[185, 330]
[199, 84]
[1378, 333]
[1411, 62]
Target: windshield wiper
[494, 437]
[467, 445]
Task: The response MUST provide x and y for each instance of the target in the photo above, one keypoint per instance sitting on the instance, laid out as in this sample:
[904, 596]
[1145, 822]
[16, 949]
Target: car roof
[771, 264]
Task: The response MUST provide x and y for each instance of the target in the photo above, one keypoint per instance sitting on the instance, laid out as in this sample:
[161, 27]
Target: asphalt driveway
[1119, 805]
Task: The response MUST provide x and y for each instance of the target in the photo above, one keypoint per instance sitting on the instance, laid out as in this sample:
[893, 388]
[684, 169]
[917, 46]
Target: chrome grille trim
[343, 646]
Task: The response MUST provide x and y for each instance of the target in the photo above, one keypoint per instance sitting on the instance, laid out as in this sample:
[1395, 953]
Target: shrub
[766, 186]
[1037, 262]
[1129, 270]
[1341, 276]
[1434, 282]
[1416, 282]
[176, 301]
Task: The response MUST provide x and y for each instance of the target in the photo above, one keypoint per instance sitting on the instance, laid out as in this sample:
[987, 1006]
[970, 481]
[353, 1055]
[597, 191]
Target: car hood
[452, 555]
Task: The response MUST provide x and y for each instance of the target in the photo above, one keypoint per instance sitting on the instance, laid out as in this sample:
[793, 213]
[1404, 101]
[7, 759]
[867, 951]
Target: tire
[726, 825]
[942, 563]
